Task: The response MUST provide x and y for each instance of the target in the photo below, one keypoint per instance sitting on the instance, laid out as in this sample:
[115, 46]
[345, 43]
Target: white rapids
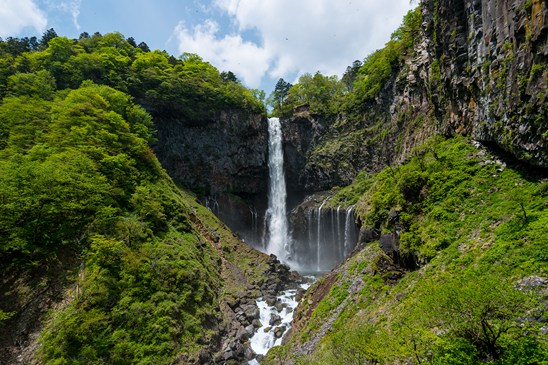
[268, 336]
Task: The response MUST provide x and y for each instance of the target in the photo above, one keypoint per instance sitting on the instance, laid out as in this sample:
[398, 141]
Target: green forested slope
[464, 282]
[166, 86]
[92, 230]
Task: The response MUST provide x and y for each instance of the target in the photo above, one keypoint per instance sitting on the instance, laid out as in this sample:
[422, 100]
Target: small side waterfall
[319, 238]
[348, 239]
[322, 236]
[278, 237]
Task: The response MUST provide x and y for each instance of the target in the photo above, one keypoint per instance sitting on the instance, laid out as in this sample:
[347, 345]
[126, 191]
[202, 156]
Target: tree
[350, 75]
[281, 90]
[320, 92]
[144, 47]
[131, 41]
[46, 37]
[229, 76]
[277, 98]
[258, 94]
[40, 84]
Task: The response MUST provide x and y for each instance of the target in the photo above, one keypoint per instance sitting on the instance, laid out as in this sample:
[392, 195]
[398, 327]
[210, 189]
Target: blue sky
[259, 40]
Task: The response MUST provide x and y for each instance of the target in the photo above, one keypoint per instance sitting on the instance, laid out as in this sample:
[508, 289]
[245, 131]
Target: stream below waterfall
[329, 239]
[276, 317]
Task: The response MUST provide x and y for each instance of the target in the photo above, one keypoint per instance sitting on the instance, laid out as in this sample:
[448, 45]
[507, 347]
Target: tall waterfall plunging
[278, 237]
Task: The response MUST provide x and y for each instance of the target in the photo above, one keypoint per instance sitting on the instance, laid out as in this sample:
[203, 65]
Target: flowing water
[319, 238]
[329, 236]
[278, 237]
[268, 336]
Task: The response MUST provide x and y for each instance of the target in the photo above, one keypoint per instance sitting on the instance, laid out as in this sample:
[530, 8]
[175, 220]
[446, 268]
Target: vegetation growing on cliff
[328, 96]
[474, 290]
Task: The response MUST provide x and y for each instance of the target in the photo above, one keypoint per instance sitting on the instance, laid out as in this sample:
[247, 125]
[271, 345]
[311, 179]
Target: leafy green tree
[46, 37]
[40, 84]
[321, 93]
[481, 311]
[277, 98]
[350, 75]
[229, 76]
[143, 47]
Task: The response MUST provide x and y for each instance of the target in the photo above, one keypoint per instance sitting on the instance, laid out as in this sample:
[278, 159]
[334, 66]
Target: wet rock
[279, 306]
[248, 353]
[279, 331]
[300, 294]
[251, 312]
[270, 300]
[275, 320]
[243, 334]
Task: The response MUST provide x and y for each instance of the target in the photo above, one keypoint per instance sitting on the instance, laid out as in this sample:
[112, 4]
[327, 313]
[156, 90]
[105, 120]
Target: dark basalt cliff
[492, 72]
[225, 154]
[477, 68]
[224, 161]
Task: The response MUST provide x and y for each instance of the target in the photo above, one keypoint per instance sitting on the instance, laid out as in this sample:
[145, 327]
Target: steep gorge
[445, 211]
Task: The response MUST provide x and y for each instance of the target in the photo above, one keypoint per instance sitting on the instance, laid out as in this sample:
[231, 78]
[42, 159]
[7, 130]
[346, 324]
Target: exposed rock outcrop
[226, 154]
[224, 161]
[477, 68]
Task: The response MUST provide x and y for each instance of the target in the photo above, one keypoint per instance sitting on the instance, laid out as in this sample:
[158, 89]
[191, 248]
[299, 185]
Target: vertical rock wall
[477, 68]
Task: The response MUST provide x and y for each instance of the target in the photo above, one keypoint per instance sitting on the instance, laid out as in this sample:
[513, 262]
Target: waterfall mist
[321, 237]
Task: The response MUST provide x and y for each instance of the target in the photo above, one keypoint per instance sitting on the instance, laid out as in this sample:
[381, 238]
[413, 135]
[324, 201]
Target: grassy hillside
[104, 259]
[464, 283]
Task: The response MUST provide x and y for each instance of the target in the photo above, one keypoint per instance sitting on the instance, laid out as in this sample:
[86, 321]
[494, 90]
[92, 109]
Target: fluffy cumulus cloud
[229, 52]
[296, 36]
[16, 15]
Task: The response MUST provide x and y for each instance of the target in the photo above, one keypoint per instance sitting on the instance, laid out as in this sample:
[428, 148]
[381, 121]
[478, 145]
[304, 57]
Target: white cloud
[230, 52]
[15, 15]
[68, 6]
[72, 7]
[297, 36]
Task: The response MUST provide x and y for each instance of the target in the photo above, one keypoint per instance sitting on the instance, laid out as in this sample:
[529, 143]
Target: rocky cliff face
[492, 78]
[225, 154]
[477, 68]
[224, 161]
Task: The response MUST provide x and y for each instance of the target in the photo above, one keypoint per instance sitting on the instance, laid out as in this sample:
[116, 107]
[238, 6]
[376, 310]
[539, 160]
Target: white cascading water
[318, 242]
[276, 213]
[267, 336]
[347, 230]
[341, 250]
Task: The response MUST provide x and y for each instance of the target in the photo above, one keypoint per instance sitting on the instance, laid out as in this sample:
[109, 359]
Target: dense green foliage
[168, 87]
[80, 184]
[478, 231]
[76, 173]
[362, 82]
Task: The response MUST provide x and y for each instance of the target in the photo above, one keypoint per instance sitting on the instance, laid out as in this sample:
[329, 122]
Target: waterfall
[318, 245]
[254, 224]
[212, 205]
[277, 219]
[347, 230]
[341, 252]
